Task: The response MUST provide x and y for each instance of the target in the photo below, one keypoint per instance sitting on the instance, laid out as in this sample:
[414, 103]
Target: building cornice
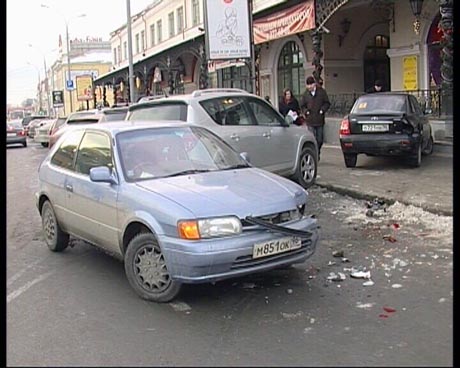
[404, 51]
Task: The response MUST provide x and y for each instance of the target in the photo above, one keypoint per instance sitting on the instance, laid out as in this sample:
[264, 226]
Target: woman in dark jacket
[288, 102]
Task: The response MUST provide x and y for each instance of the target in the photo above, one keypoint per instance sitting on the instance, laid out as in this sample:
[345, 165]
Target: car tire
[24, 143]
[350, 159]
[429, 147]
[307, 168]
[153, 282]
[55, 238]
[45, 144]
[416, 159]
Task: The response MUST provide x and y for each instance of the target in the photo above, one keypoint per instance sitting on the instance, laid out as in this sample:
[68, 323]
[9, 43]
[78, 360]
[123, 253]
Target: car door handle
[267, 135]
[235, 137]
[69, 188]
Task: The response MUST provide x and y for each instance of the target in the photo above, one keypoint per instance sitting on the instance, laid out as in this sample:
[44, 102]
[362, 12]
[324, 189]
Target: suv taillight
[345, 127]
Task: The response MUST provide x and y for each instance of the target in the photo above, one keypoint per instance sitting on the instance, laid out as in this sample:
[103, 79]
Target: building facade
[352, 43]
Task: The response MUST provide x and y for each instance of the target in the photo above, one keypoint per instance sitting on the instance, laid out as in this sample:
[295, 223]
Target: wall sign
[410, 73]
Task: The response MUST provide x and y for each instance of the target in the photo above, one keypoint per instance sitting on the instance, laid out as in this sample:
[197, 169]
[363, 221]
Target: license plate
[11, 134]
[374, 127]
[276, 246]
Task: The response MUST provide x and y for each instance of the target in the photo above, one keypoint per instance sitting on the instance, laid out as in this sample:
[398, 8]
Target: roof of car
[125, 125]
[198, 94]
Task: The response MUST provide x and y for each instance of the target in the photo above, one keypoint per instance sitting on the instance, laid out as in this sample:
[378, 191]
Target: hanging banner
[84, 87]
[227, 29]
[410, 73]
[293, 20]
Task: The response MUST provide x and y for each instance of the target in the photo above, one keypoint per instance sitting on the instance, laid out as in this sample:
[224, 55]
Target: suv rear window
[163, 111]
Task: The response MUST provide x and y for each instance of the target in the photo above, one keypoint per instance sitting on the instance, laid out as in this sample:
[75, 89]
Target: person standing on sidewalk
[314, 105]
[377, 87]
[289, 103]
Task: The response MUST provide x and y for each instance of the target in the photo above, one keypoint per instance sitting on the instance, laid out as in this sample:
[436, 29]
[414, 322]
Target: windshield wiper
[239, 166]
[186, 172]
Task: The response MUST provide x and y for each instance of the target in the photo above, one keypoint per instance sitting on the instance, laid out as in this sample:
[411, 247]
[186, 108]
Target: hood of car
[240, 192]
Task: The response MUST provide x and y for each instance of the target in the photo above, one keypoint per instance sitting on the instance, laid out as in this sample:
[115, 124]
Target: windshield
[14, 125]
[164, 152]
[379, 104]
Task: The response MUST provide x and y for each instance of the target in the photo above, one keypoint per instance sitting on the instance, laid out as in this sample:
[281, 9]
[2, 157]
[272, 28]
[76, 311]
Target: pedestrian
[314, 105]
[377, 87]
[289, 103]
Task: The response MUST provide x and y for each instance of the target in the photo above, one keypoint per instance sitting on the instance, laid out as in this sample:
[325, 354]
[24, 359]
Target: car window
[379, 104]
[65, 154]
[167, 111]
[94, 151]
[153, 153]
[227, 110]
[114, 116]
[14, 124]
[82, 121]
[264, 114]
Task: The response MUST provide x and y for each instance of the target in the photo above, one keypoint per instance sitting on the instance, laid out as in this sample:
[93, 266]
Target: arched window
[291, 73]
[433, 42]
[376, 62]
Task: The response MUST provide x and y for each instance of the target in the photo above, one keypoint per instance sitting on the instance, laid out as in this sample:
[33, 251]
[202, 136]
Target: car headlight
[209, 228]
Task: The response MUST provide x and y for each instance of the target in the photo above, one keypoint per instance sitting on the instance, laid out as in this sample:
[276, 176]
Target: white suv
[245, 121]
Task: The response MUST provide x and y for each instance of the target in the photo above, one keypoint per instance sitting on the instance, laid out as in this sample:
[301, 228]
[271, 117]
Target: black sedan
[386, 124]
[15, 133]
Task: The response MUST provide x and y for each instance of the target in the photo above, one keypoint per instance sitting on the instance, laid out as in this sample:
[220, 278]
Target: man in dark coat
[314, 105]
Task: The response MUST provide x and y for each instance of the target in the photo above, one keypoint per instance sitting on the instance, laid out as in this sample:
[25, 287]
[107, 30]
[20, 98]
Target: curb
[370, 197]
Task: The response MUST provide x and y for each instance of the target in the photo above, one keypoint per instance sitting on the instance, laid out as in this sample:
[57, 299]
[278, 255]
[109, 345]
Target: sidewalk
[430, 186]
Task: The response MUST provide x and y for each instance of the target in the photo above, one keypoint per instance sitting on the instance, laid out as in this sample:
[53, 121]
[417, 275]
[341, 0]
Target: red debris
[383, 316]
[389, 309]
[396, 226]
[389, 238]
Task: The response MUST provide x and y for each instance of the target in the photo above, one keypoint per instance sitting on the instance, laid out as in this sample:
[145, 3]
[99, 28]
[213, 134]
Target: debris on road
[289, 291]
[345, 260]
[338, 253]
[389, 309]
[383, 315]
[248, 285]
[331, 263]
[361, 274]
[364, 305]
[336, 276]
[396, 286]
[390, 238]
[291, 315]
[368, 283]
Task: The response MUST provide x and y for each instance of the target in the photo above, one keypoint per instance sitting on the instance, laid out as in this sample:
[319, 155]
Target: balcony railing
[438, 100]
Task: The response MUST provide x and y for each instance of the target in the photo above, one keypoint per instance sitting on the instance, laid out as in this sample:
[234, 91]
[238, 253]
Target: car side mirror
[245, 156]
[102, 174]
[428, 111]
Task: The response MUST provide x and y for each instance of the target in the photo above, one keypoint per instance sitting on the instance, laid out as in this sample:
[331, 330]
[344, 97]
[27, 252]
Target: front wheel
[55, 238]
[350, 159]
[146, 270]
[307, 168]
[45, 144]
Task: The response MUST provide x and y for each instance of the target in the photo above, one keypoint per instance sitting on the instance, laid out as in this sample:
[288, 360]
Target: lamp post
[46, 82]
[39, 87]
[130, 52]
[68, 48]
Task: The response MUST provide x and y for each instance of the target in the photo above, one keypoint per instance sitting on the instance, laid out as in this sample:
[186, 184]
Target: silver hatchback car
[245, 121]
[174, 201]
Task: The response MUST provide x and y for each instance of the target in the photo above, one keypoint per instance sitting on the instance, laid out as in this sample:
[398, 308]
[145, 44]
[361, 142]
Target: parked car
[15, 133]
[386, 124]
[245, 121]
[28, 120]
[57, 124]
[89, 117]
[174, 201]
[42, 132]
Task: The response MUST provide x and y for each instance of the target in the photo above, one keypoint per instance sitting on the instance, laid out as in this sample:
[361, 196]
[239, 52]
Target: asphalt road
[76, 308]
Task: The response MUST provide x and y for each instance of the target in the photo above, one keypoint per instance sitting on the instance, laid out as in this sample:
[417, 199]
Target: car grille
[248, 261]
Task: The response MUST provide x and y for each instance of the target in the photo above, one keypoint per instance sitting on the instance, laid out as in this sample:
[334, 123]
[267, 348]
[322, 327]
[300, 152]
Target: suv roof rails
[199, 92]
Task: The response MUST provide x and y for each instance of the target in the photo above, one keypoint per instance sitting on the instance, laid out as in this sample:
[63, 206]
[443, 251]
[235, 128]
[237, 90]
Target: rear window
[14, 124]
[379, 104]
[169, 111]
[82, 121]
[114, 116]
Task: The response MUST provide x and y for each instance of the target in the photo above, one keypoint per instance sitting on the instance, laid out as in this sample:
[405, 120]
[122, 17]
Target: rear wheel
[24, 143]
[45, 144]
[307, 168]
[350, 159]
[429, 147]
[416, 159]
[146, 270]
[55, 238]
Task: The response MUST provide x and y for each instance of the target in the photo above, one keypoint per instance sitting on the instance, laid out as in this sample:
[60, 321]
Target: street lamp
[68, 48]
[39, 88]
[46, 81]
